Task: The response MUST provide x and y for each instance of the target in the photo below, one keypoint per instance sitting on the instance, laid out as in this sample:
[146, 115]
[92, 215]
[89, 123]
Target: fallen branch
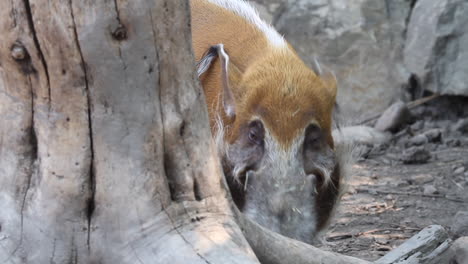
[358, 234]
[421, 101]
[401, 226]
[424, 247]
[409, 105]
[377, 231]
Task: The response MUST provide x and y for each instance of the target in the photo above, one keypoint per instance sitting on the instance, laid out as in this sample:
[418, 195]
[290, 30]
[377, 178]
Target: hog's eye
[313, 136]
[256, 132]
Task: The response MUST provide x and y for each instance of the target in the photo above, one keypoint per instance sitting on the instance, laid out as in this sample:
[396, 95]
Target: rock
[361, 41]
[459, 226]
[459, 170]
[458, 252]
[453, 142]
[436, 48]
[461, 126]
[360, 135]
[382, 241]
[418, 125]
[364, 151]
[430, 124]
[385, 161]
[402, 184]
[415, 155]
[420, 179]
[433, 135]
[393, 118]
[430, 190]
[444, 125]
[417, 140]
[381, 148]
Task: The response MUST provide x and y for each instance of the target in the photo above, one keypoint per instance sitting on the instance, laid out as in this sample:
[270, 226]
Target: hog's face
[280, 151]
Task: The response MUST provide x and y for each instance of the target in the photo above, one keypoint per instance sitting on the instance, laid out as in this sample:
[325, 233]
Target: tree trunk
[106, 154]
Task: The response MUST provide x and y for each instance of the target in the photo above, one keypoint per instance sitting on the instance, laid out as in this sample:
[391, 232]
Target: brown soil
[386, 203]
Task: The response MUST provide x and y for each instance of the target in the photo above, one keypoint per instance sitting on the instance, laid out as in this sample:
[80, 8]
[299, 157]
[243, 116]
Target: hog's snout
[281, 186]
[283, 204]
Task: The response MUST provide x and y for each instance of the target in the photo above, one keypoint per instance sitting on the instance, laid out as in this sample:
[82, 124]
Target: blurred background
[380, 50]
[402, 70]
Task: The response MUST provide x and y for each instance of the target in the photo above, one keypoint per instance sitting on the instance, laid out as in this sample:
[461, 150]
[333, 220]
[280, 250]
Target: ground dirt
[389, 201]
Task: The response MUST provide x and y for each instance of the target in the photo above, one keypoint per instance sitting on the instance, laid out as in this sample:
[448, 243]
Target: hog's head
[277, 150]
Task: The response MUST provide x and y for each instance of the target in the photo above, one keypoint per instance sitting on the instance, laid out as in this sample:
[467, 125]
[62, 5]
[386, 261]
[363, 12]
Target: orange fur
[267, 81]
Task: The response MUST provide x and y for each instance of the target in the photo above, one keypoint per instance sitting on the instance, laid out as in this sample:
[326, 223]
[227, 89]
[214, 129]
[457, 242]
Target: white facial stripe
[290, 158]
[285, 163]
[246, 11]
[276, 153]
[282, 191]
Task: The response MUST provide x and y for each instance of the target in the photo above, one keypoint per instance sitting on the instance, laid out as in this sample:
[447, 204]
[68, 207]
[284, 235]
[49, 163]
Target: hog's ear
[327, 76]
[316, 66]
[331, 83]
[226, 69]
[228, 97]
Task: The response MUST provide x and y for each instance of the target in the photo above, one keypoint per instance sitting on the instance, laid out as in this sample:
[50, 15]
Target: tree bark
[106, 155]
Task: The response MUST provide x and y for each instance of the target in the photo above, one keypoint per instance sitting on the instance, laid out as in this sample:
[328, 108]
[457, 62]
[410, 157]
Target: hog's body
[272, 116]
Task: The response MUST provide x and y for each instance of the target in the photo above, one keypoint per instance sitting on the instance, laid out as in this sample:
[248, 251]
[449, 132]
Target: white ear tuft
[316, 67]
[204, 64]
[325, 74]
[228, 98]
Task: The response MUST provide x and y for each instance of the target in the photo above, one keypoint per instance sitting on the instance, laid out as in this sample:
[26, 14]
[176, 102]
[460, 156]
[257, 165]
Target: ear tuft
[327, 76]
[204, 64]
[330, 81]
[316, 66]
[228, 97]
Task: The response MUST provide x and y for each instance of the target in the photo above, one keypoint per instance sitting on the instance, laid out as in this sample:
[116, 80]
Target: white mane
[245, 10]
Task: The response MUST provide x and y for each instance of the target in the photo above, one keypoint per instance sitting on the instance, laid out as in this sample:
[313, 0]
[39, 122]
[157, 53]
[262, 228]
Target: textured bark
[106, 154]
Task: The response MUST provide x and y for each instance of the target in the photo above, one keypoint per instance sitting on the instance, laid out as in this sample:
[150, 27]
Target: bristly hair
[205, 62]
[337, 117]
[249, 13]
[218, 136]
[346, 154]
[222, 147]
